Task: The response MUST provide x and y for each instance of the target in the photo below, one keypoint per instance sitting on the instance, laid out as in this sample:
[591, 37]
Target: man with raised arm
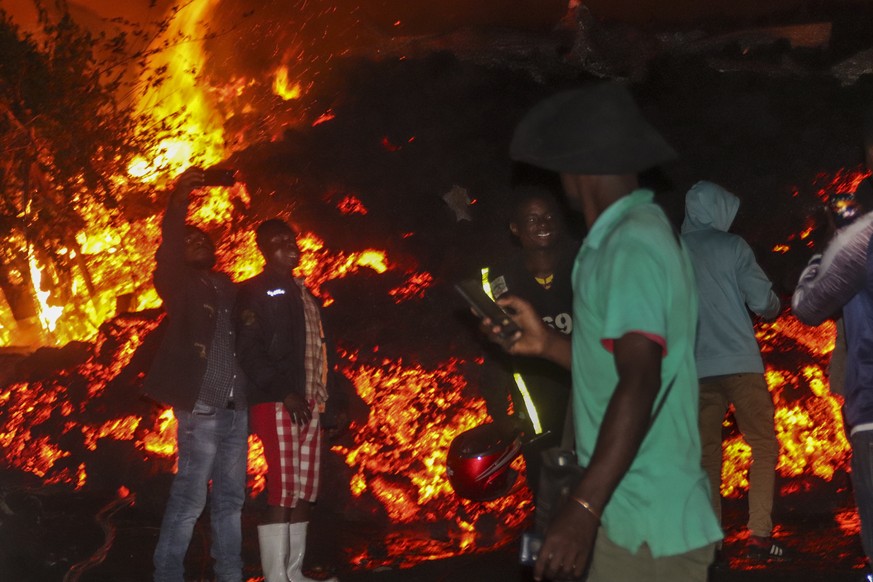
[195, 371]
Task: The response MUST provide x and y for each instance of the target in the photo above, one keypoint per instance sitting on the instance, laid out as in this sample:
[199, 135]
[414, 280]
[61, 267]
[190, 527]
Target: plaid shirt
[315, 360]
[223, 380]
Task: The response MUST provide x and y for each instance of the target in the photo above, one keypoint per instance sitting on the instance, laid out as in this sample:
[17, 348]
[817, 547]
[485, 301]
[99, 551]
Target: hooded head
[708, 205]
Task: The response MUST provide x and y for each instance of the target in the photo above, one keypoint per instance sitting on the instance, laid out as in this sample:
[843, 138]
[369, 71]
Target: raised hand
[190, 180]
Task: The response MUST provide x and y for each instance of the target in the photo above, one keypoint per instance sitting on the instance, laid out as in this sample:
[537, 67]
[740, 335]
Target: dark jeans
[862, 482]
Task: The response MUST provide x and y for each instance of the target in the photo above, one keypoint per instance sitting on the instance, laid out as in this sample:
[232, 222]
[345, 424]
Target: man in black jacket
[282, 350]
[196, 373]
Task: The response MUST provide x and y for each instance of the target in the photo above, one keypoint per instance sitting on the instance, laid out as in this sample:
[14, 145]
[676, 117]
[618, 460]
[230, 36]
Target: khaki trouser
[753, 410]
[612, 563]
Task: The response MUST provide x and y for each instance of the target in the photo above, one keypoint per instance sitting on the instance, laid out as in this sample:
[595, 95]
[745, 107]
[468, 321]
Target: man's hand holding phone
[484, 307]
[188, 181]
[534, 337]
[514, 324]
[531, 335]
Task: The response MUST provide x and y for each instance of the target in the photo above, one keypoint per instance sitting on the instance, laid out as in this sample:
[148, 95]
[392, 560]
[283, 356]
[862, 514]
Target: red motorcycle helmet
[478, 463]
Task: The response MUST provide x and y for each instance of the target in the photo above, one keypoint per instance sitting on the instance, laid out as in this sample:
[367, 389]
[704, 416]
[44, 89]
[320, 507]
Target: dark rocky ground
[765, 120]
[53, 536]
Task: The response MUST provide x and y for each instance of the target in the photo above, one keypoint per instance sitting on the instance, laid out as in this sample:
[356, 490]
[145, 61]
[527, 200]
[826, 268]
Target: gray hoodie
[729, 282]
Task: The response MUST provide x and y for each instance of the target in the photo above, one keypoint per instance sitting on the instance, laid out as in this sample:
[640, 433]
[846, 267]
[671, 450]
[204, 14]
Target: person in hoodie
[282, 349]
[730, 283]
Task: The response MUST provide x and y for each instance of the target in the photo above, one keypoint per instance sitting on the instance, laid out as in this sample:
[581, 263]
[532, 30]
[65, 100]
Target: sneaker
[766, 548]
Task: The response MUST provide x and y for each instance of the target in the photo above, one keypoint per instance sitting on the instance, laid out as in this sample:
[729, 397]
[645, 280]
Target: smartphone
[219, 177]
[485, 307]
[531, 543]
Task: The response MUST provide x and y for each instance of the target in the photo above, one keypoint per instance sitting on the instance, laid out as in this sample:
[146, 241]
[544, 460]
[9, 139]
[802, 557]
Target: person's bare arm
[535, 337]
[570, 539]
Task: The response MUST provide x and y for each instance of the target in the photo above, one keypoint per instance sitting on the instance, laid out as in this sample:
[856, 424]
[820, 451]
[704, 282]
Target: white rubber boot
[297, 547]
[273, 542]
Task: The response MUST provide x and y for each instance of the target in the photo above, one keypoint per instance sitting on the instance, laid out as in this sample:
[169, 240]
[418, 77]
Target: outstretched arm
[170, 257]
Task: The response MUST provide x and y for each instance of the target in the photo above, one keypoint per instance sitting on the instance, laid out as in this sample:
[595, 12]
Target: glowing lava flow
[809, 425]
[399, 458]
[38, 417]
[52, 428]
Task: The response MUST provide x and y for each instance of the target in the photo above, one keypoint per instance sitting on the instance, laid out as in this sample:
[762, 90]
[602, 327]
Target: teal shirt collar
[604, 223]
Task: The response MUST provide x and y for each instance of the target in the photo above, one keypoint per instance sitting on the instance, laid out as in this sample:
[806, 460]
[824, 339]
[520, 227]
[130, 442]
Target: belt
[230, 405]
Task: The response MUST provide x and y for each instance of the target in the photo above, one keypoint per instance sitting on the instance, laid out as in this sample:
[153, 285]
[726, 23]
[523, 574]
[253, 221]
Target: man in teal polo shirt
[642, 511]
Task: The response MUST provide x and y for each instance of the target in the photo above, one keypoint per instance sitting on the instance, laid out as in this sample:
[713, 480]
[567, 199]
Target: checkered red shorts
[291, 451]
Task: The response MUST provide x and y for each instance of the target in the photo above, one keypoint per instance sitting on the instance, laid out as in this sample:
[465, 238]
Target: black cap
[594, 130]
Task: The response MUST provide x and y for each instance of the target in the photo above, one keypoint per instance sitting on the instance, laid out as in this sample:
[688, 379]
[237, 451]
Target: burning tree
[67, 141]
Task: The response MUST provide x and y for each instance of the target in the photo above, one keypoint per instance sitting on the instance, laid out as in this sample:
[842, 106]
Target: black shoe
[761, 548]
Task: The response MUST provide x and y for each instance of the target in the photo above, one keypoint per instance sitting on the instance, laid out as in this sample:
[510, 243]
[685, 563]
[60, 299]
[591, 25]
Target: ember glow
[400, 455]
[845, 181]
[284, 87]
[52, 428]
[351, 205]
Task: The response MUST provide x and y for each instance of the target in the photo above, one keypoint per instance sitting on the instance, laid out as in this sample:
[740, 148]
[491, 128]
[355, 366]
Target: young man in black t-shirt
[539, 271]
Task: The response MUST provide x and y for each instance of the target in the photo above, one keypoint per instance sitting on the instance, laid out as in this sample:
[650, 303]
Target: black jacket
[191, 303]
[271, 337]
